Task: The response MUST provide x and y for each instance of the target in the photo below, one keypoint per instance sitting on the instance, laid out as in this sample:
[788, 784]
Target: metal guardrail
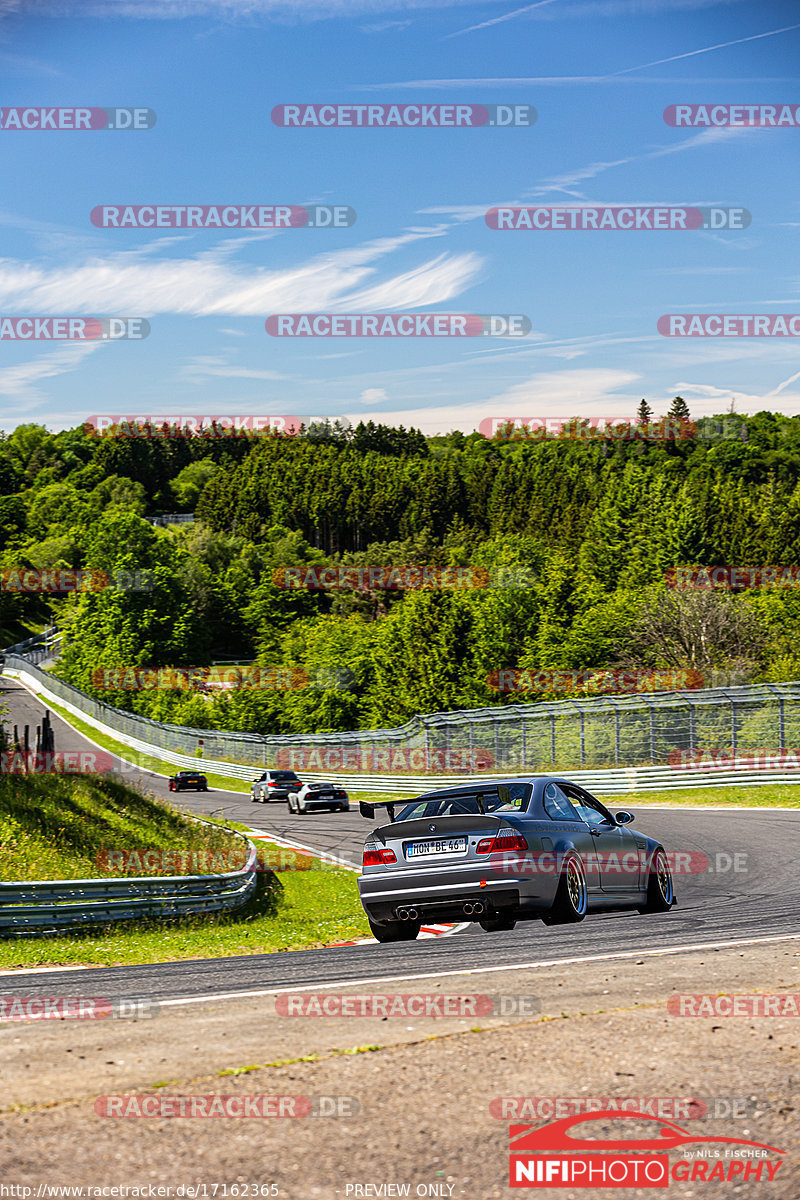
[587, 734]
[45, 905]
[615, 781]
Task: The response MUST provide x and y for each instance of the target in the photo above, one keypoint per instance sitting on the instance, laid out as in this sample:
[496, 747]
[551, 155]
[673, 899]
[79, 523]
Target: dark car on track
[188, 779]
[498, 852]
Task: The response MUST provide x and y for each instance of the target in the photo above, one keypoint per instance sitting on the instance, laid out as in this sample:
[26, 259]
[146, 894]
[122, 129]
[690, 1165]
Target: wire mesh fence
[657, 729]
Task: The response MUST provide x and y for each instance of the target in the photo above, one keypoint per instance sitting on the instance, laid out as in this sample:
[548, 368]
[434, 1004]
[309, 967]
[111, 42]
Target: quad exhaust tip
[474, 908]
[406, 914]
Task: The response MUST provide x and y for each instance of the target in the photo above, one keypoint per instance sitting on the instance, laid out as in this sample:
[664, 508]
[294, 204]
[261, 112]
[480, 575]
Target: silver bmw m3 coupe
[498, 852]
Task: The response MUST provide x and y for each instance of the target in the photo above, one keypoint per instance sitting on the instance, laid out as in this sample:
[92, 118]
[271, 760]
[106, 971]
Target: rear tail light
[504, 840]
[374, 857]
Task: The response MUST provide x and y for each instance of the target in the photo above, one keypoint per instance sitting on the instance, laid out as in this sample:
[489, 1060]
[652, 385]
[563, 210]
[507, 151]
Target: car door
[568, 821]
[620, 853]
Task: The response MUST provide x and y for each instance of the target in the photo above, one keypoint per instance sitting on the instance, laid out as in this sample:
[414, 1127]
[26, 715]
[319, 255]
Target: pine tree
[644, 413]
[679, 410]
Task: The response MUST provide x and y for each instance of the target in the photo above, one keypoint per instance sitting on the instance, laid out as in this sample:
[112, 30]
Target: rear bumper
[444, 895]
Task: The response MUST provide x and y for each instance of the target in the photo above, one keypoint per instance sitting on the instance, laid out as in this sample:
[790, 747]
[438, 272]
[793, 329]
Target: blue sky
[599, 73]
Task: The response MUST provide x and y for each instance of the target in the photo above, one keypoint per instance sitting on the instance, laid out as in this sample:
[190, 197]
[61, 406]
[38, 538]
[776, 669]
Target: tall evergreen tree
[644, 413]
[679, 410]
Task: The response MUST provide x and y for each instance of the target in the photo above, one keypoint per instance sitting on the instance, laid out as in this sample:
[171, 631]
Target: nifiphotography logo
[559, 1154]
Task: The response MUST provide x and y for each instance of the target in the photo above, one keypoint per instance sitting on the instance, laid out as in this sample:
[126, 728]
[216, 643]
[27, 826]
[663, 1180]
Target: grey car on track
[498, 852]
[274, 785]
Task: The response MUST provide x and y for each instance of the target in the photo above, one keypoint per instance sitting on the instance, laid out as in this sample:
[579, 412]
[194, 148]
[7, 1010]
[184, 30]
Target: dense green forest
[573, 536]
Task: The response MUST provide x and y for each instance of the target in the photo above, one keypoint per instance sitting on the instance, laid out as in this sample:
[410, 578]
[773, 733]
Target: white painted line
[551, 962]
[286, 844]
[48, 970]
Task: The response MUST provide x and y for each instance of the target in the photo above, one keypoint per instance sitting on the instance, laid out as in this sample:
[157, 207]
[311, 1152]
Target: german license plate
[439, 846]
[326, 795]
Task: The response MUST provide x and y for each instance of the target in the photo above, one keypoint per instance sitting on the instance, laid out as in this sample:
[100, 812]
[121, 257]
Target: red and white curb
[426, 931]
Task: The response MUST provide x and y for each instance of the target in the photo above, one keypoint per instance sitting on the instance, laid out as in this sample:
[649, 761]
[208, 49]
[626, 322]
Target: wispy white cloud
[568, 393]
[707, 49]
[385, 26]
[165, 10]
[203, 366]
[204, 285]
[494, 81]
[518, 12]
[19, 381]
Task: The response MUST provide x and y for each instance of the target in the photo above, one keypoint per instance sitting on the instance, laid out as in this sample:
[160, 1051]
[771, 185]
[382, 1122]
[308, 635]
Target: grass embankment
[57, 827]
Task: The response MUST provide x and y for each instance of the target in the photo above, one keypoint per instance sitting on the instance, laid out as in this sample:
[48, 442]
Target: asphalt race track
[750, 890]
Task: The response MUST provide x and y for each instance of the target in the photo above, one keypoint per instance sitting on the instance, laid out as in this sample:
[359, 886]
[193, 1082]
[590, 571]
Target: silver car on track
[498, 852]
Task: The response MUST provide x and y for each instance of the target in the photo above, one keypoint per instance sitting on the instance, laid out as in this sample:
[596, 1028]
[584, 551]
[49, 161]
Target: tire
[395, 931]
[290, 804]
[253, 797]
[497, 924]
[660, 889]
[571, 900]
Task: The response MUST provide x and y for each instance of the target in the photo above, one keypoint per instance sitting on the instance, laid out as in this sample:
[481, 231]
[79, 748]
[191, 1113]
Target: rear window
[282, 775]
[513, 797]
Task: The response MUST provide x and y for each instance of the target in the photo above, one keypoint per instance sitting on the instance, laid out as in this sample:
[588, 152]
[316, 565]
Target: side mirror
[624, 818]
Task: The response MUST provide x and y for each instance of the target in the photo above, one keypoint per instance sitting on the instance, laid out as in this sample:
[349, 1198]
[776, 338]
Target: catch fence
[655, 729]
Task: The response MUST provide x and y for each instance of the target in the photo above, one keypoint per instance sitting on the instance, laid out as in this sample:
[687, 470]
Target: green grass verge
[55, 826]
[307, 909]
[769, 795]
[64, 826]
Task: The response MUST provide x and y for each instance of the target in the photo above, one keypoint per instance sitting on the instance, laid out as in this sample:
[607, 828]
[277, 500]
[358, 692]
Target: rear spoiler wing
[368, 810]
